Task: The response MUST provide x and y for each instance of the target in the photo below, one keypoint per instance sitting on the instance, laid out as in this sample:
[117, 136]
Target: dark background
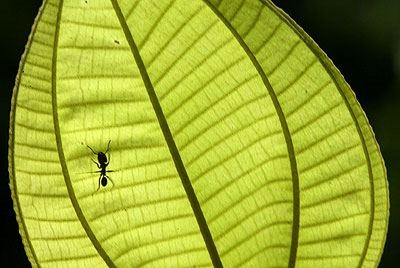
[361, 37]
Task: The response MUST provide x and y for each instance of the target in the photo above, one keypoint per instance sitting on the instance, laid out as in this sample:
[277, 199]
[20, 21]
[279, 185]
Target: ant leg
[95, 163]
[108, 146]
[91, 149]
[99, 183]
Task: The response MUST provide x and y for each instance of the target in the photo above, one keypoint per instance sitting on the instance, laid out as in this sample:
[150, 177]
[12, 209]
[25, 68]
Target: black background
[361, 37]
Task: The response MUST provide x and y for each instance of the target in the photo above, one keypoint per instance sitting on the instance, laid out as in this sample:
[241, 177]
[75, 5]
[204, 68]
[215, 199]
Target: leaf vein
[333, 177]
[224, 138]
[157, 21]
[208, 82]
[329, 157]
[253, 234]
[333, 198]
[155, 242]
[226, 94]
[165, 46]
[210, 168]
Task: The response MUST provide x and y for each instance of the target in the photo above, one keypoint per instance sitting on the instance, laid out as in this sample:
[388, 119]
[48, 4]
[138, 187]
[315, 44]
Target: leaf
[235, 142]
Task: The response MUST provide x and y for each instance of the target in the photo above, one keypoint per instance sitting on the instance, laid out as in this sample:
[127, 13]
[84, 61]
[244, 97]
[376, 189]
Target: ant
[103, 163]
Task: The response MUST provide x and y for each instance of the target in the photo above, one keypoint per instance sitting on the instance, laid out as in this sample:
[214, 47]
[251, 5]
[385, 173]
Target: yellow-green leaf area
[235, 142]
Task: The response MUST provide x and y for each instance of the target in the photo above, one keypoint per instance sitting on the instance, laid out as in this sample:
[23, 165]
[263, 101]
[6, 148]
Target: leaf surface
[235, 142]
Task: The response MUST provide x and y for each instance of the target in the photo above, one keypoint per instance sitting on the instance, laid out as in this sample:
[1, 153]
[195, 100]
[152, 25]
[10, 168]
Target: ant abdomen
[104, 181]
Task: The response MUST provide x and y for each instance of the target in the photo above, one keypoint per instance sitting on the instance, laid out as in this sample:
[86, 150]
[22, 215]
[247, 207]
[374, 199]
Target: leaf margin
[30, 252]
[349, 97]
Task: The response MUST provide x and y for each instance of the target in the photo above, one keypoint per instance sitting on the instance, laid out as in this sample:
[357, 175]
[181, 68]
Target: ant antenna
[91, 149]
[108, 146]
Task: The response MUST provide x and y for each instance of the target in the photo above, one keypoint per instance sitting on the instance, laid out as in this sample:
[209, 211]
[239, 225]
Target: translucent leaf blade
[234, 141]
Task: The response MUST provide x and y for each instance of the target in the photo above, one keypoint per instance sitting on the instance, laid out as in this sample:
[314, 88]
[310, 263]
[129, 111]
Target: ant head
[101, 157]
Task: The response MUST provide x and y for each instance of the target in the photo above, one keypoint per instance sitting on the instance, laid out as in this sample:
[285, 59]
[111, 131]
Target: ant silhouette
[103, 163]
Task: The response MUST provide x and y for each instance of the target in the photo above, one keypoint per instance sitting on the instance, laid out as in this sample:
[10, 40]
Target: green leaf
[235, 141]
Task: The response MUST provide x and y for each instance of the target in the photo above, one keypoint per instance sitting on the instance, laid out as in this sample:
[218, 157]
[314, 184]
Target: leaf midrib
[60, 148]
[324, 61]
[285, 130]
[212, 250]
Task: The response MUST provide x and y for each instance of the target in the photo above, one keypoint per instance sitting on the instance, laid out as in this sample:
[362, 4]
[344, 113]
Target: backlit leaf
[235, 142]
